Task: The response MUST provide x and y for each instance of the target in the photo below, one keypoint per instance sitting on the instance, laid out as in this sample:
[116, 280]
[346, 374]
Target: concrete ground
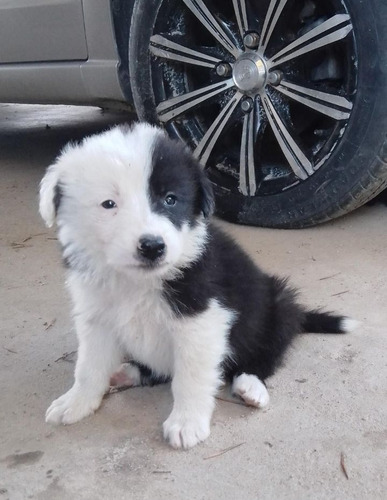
[324, 435]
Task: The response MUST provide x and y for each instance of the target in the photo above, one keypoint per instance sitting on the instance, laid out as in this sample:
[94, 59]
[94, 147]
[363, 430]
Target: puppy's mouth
[149, 265]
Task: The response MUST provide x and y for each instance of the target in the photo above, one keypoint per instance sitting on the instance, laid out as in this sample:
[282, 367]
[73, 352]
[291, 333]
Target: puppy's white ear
[49, 195]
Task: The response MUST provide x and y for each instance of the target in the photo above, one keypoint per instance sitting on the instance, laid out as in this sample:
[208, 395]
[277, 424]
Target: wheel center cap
[249, 72]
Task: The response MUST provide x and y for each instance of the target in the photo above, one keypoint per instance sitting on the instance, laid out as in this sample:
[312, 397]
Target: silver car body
[58, 51]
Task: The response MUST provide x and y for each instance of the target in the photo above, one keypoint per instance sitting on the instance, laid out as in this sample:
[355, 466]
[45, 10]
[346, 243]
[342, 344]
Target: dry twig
[22, 244]
[329, 277]
[16, 245]
[9, 350]
[66, 357]
[340, 293]
[342, 465]
[224, 451]
[49, 325]
[113, 389]
[229, 400]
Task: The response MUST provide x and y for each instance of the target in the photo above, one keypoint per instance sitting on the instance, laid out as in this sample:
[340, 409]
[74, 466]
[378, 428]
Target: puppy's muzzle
[151, 248]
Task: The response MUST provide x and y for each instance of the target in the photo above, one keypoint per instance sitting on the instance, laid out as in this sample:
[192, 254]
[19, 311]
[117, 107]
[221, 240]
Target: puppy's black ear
[206, 194]
[205, 202]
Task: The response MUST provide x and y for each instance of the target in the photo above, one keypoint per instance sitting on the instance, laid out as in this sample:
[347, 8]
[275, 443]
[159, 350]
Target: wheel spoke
[273, 13]
[207, 143]
[321, 36]
[241, 15]
[247, 180]
[199, 9]
[162, 47]
[298, 162]
[175, 106]
[338, 108]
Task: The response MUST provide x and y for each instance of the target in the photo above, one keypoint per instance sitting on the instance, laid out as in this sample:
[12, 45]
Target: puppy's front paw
[183, 431]
[72, 407]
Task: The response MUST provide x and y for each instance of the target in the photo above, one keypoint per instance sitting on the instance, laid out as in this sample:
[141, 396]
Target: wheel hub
[263, 107]
[249, 73]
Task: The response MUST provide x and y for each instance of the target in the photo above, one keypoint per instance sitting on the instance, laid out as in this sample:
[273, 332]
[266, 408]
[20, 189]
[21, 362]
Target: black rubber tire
[357, 168]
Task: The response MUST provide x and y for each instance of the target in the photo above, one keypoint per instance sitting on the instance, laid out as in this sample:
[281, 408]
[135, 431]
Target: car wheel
[284, 102]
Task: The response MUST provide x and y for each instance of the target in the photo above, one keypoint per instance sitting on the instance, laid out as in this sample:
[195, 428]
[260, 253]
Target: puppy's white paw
[128, 375]
[251, 390]
[72, 407]
[182, 431]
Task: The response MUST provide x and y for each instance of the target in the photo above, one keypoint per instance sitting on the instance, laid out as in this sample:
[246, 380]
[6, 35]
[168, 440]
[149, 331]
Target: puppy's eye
[170, 200]
[108, 204]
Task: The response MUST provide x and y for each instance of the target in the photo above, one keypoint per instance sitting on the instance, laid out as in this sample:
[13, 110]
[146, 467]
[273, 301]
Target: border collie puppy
[151, 278]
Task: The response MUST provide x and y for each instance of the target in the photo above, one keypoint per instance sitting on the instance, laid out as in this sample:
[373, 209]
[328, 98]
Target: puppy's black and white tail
[322, 322]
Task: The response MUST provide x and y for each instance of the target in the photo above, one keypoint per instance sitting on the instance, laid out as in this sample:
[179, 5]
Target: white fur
[199, 346]
[136, 320]
[120, 308]
[251, 390]
[349, 324]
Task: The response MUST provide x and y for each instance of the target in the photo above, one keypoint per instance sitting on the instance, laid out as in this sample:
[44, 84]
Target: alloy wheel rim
[253, 77]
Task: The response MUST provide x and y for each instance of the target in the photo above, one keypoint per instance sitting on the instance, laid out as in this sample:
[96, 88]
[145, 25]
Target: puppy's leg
[98, 356]
[199, 348]
[251, 390]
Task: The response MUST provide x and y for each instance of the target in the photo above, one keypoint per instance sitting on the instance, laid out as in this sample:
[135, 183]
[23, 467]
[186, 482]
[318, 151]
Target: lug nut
[275, 77]
[223, 69]
[251, 40]
[247, 105]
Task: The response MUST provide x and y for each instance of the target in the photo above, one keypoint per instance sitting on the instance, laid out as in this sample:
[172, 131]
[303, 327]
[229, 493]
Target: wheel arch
[122, 11]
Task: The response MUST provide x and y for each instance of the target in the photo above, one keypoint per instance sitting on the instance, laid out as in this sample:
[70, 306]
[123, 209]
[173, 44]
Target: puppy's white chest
[144, 325]
[137, 315]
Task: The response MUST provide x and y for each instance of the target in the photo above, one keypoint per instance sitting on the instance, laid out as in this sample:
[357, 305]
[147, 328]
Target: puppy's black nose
[151, 247]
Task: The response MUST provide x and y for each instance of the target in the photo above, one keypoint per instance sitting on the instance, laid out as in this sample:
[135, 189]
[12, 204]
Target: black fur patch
[149, 377]
[322, 322]
[57, 197]
[267, 315]
[176, 172]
